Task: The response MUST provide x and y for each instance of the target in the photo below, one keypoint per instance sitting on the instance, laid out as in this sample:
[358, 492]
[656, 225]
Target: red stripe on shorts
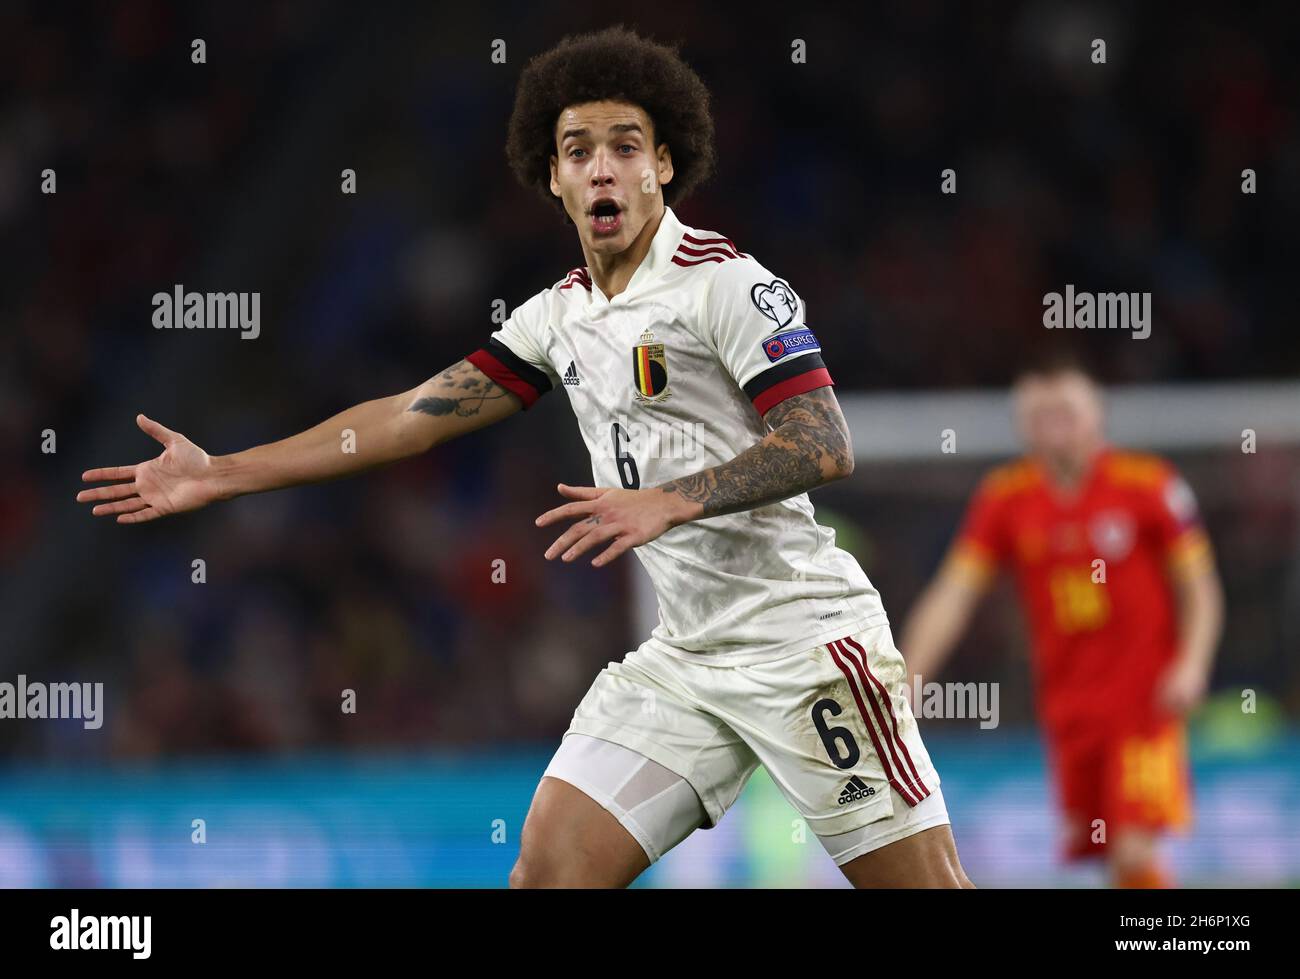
[915, 782]
[836, 653]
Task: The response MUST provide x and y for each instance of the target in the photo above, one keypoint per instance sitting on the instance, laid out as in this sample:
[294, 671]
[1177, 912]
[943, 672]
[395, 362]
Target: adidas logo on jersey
[854, 790]
[571, 376]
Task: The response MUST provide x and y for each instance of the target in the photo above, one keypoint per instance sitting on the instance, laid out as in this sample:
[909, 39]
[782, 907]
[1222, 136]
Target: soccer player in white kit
[709, 413]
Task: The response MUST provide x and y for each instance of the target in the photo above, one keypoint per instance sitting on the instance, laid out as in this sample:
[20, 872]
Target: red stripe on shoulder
[716, 239]
[697, 249]
[678, 260]
[686, 252]
[578, 276]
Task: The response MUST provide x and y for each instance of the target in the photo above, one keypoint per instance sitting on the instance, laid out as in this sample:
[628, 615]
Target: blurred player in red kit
[1117, 579]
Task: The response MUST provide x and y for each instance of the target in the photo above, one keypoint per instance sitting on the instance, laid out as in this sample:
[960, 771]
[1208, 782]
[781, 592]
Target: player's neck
[1068, 475]
[612, 272]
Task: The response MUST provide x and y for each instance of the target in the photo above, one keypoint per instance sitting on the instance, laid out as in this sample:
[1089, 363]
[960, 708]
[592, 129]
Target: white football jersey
[673, 376]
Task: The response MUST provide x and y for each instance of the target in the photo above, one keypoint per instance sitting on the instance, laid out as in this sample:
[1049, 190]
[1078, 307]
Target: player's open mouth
[606, 217]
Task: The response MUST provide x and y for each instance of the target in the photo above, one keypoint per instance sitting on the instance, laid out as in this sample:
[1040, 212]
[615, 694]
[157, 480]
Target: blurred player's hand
[180, 479]
[628, 517]
[1182, 687]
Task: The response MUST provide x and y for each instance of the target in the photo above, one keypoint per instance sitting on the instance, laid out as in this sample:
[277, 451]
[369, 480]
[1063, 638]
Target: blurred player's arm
[1199, 595]
[942, 613]
[808, 446]
[184, 477]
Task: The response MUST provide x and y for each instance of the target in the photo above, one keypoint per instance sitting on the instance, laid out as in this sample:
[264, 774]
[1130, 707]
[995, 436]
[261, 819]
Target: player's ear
[555, 183]
[665, 157]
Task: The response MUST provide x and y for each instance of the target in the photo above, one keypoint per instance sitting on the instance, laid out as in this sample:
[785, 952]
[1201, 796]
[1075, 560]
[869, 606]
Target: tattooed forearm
[762, 474]
[460, 390]
[808, 445]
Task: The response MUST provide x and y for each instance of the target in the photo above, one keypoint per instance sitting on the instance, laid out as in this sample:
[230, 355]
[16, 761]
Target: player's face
[608, 172]
[1060, 417]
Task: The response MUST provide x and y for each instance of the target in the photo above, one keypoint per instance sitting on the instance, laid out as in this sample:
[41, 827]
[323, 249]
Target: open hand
[627, 517]
[180, 479]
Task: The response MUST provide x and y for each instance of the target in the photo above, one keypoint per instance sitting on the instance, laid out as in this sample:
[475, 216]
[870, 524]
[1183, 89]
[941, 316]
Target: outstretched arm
[184, 477]
[939, 618]
[808, 445]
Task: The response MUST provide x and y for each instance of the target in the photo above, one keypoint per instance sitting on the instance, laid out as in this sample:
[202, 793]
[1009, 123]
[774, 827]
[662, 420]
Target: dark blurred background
[226, 177]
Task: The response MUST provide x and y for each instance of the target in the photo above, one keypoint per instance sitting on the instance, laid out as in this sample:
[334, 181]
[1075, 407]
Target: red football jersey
[1093, 571]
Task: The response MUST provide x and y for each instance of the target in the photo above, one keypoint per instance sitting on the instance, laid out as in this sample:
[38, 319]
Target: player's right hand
[180, 479]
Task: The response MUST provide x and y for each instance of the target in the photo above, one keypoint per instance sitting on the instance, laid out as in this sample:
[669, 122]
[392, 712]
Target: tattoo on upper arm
[460, 390]
[815, 420]
[808, 440]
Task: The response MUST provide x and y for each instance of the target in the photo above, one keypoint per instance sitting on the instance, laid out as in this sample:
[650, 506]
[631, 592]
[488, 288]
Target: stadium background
[223, 698]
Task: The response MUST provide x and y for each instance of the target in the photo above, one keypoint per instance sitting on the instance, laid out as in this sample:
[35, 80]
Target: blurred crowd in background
[225, 176]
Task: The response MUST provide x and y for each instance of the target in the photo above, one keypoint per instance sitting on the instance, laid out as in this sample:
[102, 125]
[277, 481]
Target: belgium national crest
[649, 370]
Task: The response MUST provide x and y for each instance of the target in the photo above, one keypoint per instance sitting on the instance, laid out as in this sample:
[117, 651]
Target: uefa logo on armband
[790, 342]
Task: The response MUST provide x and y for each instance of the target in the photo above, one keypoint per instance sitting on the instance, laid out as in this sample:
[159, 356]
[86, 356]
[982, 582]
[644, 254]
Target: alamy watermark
[181, 310]
[1098, 311]
[75, 931]
[649, 440]
[956, 701]
[23, 701]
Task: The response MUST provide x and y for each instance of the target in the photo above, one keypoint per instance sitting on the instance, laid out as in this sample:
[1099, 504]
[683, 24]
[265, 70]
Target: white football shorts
[666, 744]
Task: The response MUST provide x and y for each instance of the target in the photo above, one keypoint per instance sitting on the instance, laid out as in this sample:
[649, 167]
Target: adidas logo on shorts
[571, 376]
[854, 790]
